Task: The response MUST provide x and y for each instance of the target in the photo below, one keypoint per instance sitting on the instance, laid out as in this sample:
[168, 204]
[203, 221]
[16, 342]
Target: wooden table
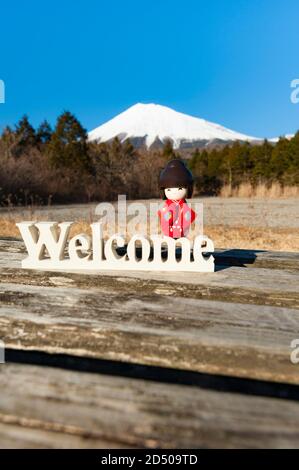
[148, 359]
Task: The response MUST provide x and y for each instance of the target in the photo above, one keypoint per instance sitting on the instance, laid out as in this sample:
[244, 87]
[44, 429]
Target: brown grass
[224, 236]
[276, 239]
[274, 191]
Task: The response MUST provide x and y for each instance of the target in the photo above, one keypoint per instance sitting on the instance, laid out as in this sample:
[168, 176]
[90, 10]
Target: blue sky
[228, 61]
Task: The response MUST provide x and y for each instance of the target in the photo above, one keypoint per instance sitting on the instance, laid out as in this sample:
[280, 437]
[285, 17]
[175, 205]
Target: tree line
[45, 165]
[59, 165]
[238, 163]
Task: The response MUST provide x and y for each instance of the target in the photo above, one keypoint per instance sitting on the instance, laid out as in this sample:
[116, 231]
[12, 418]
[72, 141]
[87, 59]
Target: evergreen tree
[261, 159]
[68, 144]
[25, 131]
[199, 163]
[44, 133]
[168, 152]
[25, 137]
[292, 171]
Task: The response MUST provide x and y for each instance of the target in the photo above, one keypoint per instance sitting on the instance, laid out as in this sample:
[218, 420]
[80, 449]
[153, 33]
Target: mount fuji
[151, 125]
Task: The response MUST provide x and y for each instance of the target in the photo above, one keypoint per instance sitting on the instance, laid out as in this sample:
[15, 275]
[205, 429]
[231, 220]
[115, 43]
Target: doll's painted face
[175, 194]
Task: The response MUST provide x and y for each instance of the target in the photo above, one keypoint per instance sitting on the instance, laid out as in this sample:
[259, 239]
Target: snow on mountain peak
[154, 121]
[274, 140]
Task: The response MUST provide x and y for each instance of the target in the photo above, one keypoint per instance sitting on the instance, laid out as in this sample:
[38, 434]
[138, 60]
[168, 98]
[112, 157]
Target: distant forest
[239, 163]
[45, 165]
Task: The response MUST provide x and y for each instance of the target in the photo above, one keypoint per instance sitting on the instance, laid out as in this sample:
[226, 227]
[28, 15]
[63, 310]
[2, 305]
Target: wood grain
[23, 436]
[236, 322]
[158, 329]
[259, 286]
[49, 407]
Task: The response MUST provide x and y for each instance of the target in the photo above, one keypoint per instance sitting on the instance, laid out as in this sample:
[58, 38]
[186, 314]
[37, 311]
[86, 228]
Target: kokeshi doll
[176, 184]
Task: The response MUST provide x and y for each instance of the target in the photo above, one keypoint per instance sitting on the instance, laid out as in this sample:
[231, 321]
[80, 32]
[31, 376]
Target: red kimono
[176, 218]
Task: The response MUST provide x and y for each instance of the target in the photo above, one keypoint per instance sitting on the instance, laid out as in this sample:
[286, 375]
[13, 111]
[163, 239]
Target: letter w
[41, 236]
[2, 92]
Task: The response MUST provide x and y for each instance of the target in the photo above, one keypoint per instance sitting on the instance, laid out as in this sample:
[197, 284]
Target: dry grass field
[274, 191]
[253, 223]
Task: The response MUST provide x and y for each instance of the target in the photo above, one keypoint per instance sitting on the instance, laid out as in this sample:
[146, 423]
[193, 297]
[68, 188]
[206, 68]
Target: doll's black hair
[176, 175]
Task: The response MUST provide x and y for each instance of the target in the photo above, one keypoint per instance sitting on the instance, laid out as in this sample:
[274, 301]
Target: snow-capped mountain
[153, 124]
[274, 140]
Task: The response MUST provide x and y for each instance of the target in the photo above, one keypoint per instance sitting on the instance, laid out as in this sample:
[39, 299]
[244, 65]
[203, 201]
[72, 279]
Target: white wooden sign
[49, 249]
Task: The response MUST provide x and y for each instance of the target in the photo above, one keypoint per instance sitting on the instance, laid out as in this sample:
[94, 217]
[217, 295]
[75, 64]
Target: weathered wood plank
[23, 436]
[88, 409]
[254, 286]
[258, 258]
[153, 329]
[185, 321]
